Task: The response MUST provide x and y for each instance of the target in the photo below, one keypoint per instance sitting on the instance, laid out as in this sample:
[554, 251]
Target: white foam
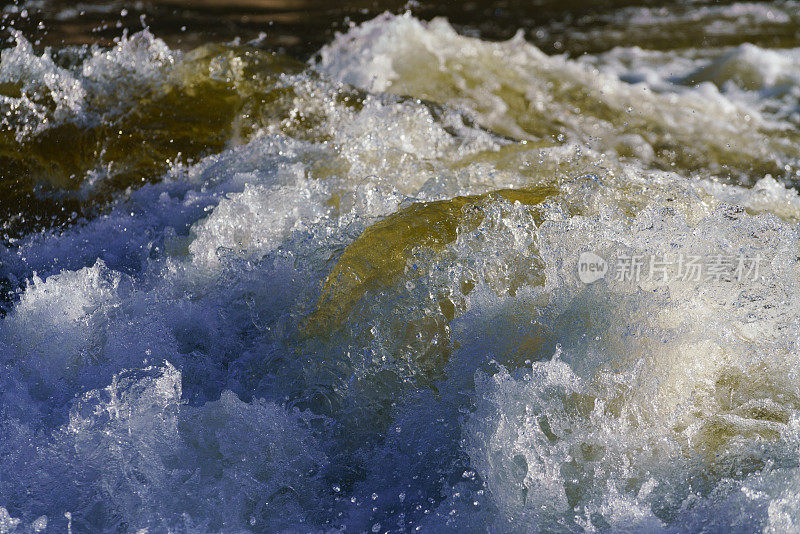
[513, 88]
[38, 78]
[106, 82]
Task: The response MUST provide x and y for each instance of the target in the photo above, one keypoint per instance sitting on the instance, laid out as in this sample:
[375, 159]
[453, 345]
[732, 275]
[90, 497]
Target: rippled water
[345, 290]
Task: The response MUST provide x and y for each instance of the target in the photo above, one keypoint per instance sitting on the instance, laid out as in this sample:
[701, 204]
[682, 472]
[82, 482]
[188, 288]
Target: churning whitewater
[364, 309]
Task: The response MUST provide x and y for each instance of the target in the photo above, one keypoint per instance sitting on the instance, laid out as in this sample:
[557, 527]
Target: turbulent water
[250, 293]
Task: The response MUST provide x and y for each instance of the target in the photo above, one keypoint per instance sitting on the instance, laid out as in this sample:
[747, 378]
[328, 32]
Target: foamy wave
[513, 88]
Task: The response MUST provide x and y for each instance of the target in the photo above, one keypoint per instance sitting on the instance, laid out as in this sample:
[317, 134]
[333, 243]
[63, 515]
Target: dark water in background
[299, 28]
[298, 266]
